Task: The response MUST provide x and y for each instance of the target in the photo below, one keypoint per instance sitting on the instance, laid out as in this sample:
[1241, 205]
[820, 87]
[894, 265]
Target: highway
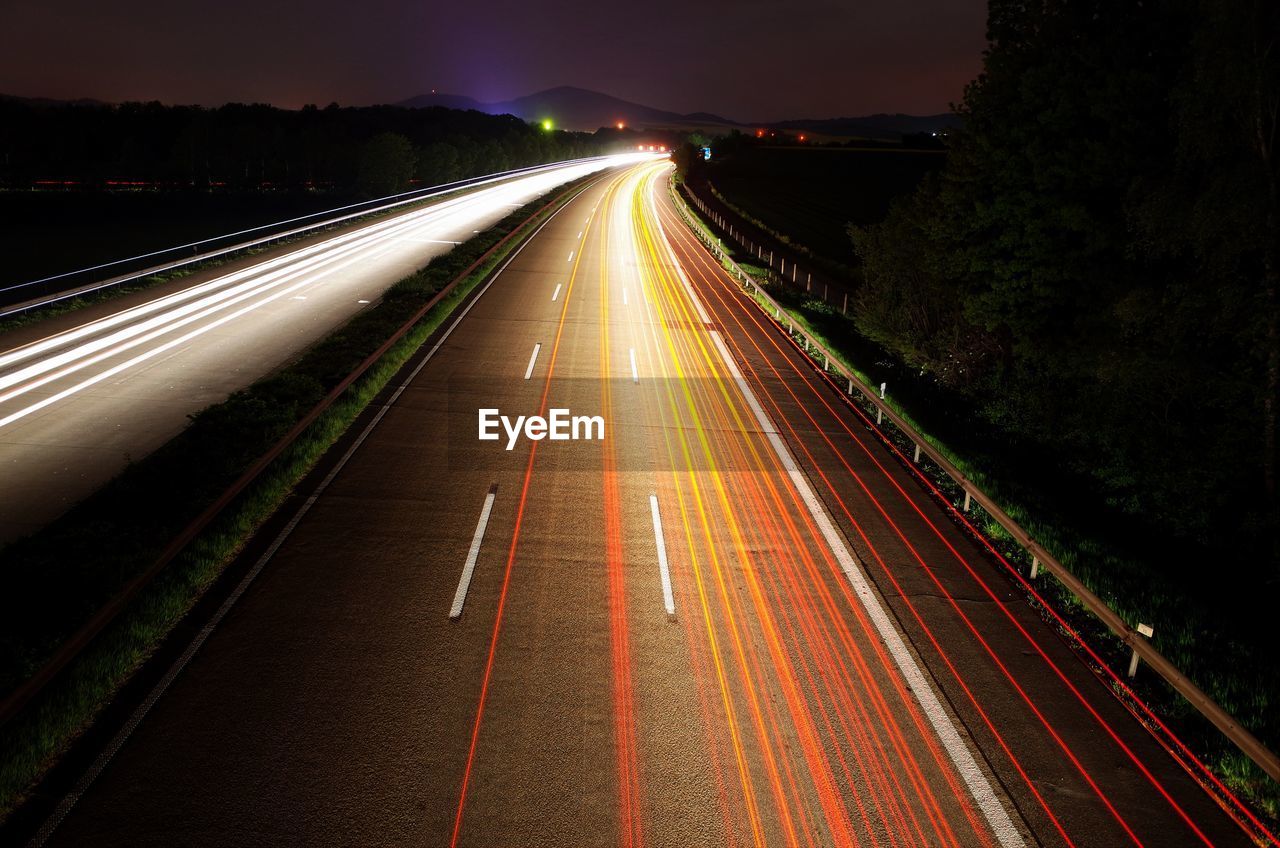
[735, 619]
[86, 392]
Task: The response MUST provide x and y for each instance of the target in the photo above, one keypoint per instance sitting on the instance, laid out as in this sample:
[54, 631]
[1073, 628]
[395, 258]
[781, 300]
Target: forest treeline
[1097, 266]
[366, 150]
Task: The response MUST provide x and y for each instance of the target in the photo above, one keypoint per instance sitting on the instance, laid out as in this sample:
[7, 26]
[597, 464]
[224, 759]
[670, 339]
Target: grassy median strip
[1237, 678]
[54, 581]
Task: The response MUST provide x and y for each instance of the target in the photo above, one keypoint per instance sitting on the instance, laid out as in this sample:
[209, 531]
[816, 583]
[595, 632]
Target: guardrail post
[782, 265]
[882, 385]
[793, 272]
[844, 310]
[966, 500]
[851, 386]
[826, 363]
[879, 415]
[916, 458]
[1035, 567]
[1148, 631]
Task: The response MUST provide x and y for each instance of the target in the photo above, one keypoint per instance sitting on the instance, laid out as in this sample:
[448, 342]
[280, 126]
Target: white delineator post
[1147, 631]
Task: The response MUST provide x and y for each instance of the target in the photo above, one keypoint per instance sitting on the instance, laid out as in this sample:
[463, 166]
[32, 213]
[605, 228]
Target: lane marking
[979, 787]
[528, 372]
[983, 794]
[624, 297]
[442, 241]
[299, 297]
[579, 235]
[635, 375]
[362, 301]
[117, 742]
[556, 293]
[511, 560]
[668, 599]
[469, 567]
[571, 255]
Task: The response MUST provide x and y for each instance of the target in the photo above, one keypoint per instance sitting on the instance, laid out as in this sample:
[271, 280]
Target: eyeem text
[559, 425]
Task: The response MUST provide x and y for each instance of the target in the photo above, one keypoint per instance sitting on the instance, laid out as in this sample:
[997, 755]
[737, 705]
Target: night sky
[749, 61]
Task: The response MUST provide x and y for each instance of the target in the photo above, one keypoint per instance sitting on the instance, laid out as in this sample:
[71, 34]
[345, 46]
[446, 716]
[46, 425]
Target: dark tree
[386, 165]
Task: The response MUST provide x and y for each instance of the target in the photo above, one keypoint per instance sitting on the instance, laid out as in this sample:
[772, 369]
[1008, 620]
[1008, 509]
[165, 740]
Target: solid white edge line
[983, 793]
[635, 375]
[979, 787]
[117, 742]
[555, 295]
[469, 567]
[668, 599]
[624, 297]
[528, 372]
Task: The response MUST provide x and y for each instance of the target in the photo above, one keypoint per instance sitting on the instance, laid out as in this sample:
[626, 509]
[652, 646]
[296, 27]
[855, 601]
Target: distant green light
[546, 125]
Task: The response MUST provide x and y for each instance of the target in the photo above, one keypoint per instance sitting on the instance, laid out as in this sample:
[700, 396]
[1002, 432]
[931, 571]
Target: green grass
[1238, 674]
[54, 580]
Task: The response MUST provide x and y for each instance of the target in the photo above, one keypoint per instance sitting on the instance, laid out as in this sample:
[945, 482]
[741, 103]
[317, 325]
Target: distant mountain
[446, 101]
[576, 109]
[581, 109]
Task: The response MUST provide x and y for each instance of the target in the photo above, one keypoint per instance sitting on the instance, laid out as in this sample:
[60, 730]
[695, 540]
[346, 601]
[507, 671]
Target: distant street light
[546, 125]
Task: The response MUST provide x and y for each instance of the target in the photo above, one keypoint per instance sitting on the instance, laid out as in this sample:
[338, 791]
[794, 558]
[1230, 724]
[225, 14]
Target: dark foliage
[1096, 266]
[252, 147]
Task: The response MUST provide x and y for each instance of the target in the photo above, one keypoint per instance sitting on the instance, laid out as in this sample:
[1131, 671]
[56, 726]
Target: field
[812, 194]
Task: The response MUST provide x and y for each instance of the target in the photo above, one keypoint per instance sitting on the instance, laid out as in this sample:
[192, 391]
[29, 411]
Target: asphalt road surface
[83, 394]
[807, 652]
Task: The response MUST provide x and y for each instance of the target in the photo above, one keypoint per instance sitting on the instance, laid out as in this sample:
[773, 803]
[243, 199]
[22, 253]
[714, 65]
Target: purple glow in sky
[750, 60]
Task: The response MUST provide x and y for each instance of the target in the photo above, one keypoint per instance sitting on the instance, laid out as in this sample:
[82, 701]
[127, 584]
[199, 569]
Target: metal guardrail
[1250, 745]
[832, 292]
[60, 287]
